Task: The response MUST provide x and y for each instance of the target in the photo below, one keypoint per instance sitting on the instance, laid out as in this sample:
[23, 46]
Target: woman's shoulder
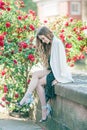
[56, 39]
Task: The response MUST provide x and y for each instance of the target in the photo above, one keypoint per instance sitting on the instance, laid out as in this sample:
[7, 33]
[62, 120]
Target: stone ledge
[69, 107]
[76, 91]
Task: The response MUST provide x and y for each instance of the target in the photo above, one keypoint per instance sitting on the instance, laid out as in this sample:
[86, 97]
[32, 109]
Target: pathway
[11, 123]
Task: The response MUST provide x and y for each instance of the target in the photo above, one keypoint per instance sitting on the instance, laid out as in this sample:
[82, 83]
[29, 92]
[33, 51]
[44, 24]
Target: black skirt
[49, 89]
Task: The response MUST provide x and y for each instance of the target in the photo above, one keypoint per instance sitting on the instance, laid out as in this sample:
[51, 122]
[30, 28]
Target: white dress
[58, 62]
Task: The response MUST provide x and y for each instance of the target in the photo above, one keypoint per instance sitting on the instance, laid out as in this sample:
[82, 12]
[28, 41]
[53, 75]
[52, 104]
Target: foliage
[17, 48]
[17, 51]
[72, 33]
[27, 5]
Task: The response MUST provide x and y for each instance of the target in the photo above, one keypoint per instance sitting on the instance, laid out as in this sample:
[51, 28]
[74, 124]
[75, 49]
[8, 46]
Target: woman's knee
[35, 74]
[40, 73]
[42, 81]
[39, 87]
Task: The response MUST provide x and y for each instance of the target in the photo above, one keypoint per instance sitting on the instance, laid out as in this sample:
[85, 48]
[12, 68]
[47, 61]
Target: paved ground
[11, 123]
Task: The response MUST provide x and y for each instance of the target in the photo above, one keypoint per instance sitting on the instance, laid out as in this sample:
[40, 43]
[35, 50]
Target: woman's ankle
[44, 107]
[21, 103]
[44, 112]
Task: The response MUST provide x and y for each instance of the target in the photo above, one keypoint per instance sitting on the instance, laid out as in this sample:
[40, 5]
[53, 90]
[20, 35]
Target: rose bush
[17, 48]
[17, 51]
[72, 32]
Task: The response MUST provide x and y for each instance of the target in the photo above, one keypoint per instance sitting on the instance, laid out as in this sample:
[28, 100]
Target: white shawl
[58, 63]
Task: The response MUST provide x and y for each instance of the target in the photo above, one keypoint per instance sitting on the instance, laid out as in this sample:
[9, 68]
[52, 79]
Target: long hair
[43, 49]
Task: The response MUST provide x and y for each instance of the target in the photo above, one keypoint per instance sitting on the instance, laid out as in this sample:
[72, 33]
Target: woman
[52, 52]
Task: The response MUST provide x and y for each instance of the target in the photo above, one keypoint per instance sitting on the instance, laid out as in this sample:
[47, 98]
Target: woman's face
[44, 39]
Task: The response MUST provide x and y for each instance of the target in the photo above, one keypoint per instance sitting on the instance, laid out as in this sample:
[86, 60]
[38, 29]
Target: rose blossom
[32, 27]
[8, 24]
[16, 95]
[5, 89]
[3, 72]
[15, 61]
[31, 57]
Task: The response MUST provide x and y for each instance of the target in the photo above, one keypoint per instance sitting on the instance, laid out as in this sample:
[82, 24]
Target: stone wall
[69, 107]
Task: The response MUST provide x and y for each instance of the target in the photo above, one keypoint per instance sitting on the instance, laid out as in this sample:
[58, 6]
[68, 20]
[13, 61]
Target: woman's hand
[54, 82]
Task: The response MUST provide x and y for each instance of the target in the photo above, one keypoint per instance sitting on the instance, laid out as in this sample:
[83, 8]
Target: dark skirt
[49, 89]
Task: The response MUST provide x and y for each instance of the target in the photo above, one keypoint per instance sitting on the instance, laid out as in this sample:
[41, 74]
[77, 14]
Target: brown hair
[42, 48]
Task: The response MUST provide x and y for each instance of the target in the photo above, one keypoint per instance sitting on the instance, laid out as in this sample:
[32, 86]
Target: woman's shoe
[49, 111]
[29, 99]
[44, 108]
[18, 105]
[43, 120]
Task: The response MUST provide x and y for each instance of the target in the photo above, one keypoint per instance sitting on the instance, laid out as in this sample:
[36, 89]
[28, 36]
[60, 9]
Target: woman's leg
[33, 84]
[41, 93]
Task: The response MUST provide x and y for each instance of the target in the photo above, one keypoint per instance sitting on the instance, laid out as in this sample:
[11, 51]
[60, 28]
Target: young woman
[52, 52]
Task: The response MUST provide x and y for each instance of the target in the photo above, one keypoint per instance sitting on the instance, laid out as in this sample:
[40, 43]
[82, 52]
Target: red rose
[31, 57]
[25, 27]
[81, 56]
[62, 37]
[1, 37]
[19, 17]
[45, 21]
[3, 98]
[5, 89]
[15, 61]
[68, 45]
[2, 4]
[8, 9]
[68, 60]
[23, 45]
[16, 95]
[71, 65]
[32, 27]
[5, 33]
[75, 58]
[28, 81]
[66, 24]
[1, 43]
[32, 12]
[71, 19]
[7, 102]
[3, 72]
[80, 38]
[8, 24]
[62, 30]
[75, 29]
[25, 17]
